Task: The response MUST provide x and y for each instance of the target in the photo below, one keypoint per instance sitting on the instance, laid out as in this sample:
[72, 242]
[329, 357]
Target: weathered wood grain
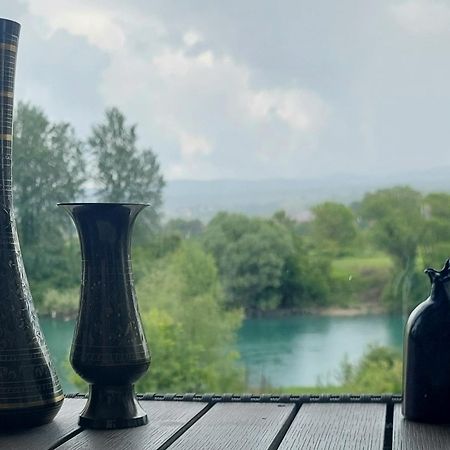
[165, 419]
[414, 436]
[43, 437]
[337, 426]
[245, 426]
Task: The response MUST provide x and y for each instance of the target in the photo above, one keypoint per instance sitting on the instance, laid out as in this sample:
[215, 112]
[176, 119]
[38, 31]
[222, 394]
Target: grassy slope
[359, 281]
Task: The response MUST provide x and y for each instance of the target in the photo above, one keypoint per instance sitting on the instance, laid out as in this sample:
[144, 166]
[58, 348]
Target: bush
[61, 302]
[378, 371]
[191, 336]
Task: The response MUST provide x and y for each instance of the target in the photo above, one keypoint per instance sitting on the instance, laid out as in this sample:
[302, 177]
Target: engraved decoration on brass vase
[30, 393]
[109, 348]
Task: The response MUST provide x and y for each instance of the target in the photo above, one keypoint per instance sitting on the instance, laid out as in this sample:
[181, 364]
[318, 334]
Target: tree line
[374, 250]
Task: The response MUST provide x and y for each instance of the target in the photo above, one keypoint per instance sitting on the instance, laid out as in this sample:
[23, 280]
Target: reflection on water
[291, 351]
[297, 351]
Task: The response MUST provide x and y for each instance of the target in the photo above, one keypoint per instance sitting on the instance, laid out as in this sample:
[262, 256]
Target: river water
[289, 351]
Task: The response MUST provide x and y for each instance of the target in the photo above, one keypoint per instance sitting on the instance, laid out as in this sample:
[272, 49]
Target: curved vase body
[30, 393]
[426, 365]
[109, 348]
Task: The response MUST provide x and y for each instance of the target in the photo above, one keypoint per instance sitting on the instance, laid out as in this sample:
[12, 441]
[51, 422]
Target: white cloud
[193, 169]
[171, 62]
[191, 38]
[81, 18]
[423, 16]
[191, 145]
[104, 27]
[300, 109]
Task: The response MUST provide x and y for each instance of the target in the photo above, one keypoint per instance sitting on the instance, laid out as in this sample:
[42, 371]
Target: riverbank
[363, 310]
[330, 311]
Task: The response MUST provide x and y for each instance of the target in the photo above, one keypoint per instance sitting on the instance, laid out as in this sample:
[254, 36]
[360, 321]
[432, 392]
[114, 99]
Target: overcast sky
[249, 88]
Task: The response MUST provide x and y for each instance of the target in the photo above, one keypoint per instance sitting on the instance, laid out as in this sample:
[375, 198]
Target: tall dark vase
[426, 365]
[30, 393]
[109, 349]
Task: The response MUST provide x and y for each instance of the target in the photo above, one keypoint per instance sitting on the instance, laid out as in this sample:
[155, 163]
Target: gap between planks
[66, 438]
[185, 427]
[284, 429]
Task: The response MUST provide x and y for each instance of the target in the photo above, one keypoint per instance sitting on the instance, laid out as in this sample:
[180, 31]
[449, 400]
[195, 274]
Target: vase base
[112, 407]
[112, 424]
[16, 418]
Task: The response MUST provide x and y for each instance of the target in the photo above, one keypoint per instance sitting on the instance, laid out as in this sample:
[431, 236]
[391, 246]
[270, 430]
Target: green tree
[306, 278]
[435, 246]
[262, 263]
[397, 225]
[125, 172]
[191, 335]
[250, 254]
[61, 302]
[185, 228]
[161, 245]
[333, 228]
[397, 221]
[48, 168]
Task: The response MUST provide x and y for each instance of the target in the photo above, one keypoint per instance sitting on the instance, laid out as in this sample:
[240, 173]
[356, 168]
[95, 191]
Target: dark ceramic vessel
[426, 365]
[30, 393]
[109, 349]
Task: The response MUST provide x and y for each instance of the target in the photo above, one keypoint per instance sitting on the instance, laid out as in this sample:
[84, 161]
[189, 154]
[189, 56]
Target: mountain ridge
[202, 199]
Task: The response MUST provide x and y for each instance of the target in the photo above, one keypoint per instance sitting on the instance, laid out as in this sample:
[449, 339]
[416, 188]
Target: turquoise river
[292, 351]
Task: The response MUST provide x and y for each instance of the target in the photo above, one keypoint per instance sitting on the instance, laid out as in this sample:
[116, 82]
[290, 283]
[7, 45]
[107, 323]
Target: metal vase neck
[104, 228]
[9, 37]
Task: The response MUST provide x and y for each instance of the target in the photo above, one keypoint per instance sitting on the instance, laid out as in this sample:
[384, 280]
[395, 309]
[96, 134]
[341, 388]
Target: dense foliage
[397, 226]
[48, 168]
[378, 371]
[190, 330]
[263, 264]
[334, 226]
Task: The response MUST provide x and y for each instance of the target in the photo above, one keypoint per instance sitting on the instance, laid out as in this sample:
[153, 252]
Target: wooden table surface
[208, 422]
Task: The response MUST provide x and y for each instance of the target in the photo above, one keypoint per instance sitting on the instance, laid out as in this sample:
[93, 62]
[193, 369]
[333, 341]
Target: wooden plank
[337, 426]
[43, 437]
[235, 426]
[414, 435]
[165, 419]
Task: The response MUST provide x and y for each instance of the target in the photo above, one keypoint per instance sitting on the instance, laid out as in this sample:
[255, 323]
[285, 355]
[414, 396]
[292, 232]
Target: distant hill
[203, 199]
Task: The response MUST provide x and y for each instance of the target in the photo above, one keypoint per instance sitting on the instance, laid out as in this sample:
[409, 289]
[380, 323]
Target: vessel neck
[440, 292]
[9, 37]
[104, 229]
